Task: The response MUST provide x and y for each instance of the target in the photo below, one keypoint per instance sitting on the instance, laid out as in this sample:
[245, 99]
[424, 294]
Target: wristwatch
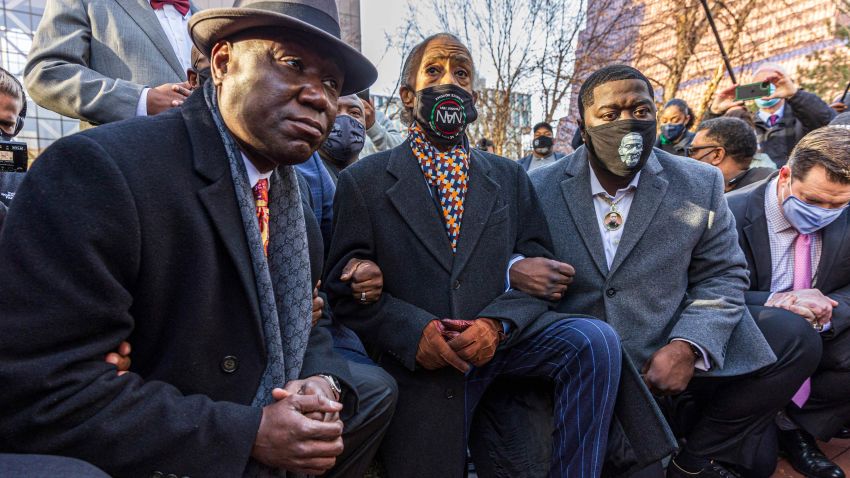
[334, 383]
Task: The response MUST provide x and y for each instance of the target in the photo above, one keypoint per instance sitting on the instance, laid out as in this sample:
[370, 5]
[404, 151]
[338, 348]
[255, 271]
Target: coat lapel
[576, 191]
[650, 192]
[142, 13]
[219, 197]
[757, 234]
[477, 206]
[411, 197]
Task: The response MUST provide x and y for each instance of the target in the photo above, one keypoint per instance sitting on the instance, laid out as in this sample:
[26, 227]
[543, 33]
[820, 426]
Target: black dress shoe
[805, 456]
[843, 433]
[713, 470]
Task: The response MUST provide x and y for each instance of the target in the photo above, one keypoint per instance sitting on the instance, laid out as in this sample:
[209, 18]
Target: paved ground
[837, 450]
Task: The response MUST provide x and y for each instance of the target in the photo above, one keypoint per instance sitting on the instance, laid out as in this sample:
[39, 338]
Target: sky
[379, 18]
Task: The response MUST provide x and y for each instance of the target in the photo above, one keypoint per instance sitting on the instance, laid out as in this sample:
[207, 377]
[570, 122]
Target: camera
[13, 156]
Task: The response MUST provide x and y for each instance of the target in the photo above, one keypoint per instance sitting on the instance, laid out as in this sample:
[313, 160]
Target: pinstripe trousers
[582, 358]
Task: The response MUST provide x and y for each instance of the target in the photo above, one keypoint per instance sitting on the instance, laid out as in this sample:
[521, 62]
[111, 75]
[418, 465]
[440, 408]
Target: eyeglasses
[690, 149]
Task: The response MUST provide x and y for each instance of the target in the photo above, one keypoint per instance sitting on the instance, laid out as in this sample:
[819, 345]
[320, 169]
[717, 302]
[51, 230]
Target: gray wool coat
[678, 271]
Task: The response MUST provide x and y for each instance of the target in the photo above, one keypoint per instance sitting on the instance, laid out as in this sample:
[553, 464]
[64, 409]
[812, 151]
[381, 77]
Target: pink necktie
[803, 280]
[771, 120]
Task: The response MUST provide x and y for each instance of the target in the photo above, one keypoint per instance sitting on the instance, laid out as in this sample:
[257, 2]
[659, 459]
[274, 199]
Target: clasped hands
[811, 304]
[458, 343]
[300, 432]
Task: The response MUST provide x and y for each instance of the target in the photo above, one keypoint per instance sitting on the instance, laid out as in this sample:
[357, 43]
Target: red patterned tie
[181, 6]
[803, 280]
[449, 173]
[261, 197]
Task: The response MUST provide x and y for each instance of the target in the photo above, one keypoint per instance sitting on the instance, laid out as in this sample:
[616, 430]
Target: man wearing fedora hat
[199, 250]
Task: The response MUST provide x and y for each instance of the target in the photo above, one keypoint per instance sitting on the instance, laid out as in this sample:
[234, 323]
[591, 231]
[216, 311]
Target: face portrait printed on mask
[621, 147]
[631, 149]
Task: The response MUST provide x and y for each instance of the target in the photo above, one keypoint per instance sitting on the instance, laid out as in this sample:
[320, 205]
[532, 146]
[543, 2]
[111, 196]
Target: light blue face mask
[762, 104]
[808, 218]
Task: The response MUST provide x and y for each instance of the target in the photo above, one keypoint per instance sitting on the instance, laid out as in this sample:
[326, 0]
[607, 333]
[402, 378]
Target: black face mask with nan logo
[444, 111]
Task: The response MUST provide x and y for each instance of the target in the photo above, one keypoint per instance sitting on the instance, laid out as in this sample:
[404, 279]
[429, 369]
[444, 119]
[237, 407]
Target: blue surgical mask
[671, 131]
[762, 104]
[808, 218]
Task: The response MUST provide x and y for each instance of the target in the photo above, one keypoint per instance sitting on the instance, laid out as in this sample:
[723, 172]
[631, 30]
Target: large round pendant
[612, 221]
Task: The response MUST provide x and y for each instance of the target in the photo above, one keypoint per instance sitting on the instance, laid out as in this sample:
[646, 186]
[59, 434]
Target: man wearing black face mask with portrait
[441, 220]
[655, 254]
[543, 152]
[343, 145]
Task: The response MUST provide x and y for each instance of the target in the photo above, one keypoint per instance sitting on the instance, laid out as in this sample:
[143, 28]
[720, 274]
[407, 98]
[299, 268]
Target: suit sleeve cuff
[705, 363]
[142, 106]
[516, 258]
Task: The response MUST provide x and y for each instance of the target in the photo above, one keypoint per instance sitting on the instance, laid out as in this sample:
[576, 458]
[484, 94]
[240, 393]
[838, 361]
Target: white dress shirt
[176, 28]
[625, 196]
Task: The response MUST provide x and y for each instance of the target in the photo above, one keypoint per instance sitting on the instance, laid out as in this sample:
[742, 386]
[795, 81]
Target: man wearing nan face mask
[792, 229]
[654, 250]
[441, 220]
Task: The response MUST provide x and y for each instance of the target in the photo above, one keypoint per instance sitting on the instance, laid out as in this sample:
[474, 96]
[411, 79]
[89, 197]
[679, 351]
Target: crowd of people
[241, 268]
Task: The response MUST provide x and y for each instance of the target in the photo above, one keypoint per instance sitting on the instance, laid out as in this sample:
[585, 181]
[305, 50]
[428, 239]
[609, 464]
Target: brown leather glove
[434, 353]
[477, 344]
[451, 328]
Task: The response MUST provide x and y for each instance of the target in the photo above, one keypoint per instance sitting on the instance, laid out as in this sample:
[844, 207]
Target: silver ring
[362, 297]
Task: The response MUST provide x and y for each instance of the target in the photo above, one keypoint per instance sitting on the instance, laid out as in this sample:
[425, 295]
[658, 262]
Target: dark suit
[829, 405]
[384, 212]
[116, 237]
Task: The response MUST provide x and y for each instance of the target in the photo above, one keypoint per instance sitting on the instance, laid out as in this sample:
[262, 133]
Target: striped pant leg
[582, 358]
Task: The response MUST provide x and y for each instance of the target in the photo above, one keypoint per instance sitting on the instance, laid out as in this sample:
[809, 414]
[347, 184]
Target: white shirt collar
[596, 187]
[254, 175]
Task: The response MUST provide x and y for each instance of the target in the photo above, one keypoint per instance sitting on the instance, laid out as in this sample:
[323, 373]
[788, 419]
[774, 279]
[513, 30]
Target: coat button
[157, 474]
[611, 292]
[450, 393]
[171, 475]
[456, 285]
[229, 364]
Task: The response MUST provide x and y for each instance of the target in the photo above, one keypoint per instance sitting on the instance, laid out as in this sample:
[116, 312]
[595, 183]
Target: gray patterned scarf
[283, 279]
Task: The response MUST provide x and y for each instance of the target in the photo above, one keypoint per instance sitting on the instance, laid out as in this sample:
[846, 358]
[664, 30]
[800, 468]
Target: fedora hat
[316, 18]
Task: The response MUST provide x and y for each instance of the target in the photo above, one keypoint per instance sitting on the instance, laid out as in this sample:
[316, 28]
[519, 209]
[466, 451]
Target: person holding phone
[783, 117]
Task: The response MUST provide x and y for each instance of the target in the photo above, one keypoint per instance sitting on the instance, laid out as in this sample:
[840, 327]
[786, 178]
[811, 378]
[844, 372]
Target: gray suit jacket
[90, 59]
[678, 271]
